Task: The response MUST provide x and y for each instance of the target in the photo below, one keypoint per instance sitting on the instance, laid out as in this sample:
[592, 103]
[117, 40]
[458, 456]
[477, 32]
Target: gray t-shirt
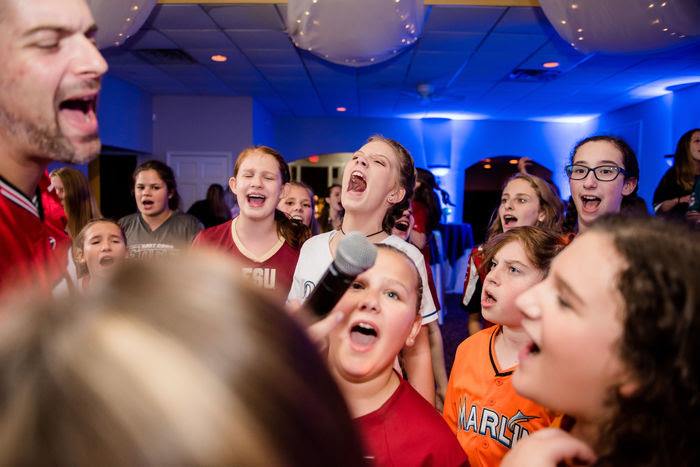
[173, 235]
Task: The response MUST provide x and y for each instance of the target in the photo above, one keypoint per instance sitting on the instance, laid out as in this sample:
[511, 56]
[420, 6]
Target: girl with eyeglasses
[603, 174]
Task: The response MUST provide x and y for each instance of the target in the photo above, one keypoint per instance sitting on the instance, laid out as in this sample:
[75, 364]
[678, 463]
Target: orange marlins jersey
[481, 405]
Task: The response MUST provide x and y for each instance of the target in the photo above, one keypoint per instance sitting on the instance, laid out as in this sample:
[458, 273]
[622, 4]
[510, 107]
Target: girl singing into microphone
[377, 186]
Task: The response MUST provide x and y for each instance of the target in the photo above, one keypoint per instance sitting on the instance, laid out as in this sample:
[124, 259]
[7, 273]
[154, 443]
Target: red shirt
[406, 430]
[32, 249]
[274, 270]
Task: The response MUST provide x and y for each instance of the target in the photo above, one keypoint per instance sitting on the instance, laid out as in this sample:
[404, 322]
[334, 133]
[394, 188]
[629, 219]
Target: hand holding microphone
[355, 255]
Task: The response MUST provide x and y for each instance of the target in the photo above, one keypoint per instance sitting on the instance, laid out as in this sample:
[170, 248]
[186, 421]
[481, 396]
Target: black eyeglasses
[604, 173]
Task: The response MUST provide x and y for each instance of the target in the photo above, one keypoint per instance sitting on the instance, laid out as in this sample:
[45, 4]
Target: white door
[196, 171]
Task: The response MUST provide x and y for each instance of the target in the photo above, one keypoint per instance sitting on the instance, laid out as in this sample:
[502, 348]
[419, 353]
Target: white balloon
[117, 20]
[624, 26]
[354, 32]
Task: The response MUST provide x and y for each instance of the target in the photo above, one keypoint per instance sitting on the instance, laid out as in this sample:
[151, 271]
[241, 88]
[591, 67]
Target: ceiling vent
[528, 74]
[165, 56]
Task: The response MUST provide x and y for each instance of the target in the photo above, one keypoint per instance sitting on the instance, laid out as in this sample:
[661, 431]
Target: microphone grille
[355, 254]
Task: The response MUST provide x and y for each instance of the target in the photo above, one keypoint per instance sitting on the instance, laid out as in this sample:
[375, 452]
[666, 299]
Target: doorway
[483, 182]
[195, 172]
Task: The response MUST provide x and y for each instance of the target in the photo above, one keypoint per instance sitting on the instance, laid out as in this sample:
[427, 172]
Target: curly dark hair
[658, 423]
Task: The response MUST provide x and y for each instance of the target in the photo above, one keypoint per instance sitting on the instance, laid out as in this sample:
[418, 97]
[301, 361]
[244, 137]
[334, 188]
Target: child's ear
[541, 216]
[629, 385]
[232, 184]
[629, 186]
[79, 256]
[415, 329]
[396, 196]
[285, 189]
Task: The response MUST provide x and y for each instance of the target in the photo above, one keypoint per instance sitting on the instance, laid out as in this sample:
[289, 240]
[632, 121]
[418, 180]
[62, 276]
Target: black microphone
[355, 255]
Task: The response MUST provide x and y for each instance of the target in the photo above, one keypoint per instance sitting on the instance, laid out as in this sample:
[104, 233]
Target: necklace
[367, 236]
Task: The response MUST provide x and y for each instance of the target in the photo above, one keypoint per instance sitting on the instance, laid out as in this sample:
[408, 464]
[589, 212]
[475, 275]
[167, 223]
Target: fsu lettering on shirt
[33, 248]
[273, 270]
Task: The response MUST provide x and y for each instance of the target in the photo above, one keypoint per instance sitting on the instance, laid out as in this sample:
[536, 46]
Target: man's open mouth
[80, 113]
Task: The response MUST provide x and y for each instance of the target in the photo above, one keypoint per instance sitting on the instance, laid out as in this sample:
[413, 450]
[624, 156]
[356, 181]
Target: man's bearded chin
[46, 143]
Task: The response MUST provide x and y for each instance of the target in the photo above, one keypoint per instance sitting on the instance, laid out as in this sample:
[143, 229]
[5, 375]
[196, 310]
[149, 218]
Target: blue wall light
[437, 144]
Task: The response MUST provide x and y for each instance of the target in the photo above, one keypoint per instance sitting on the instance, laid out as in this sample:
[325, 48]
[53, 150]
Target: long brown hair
[215, 200]
[324, 218]
[659, 284]
[174, 361]
[294, 233]
[683, 164]
[549, 201]
[78, 201]
[406, 180]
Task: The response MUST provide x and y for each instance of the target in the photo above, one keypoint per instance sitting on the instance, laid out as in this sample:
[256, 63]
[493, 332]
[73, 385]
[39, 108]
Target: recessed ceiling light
[513, 161]
[219, 58]
[341, 109]
[550, 64]
[487, 166]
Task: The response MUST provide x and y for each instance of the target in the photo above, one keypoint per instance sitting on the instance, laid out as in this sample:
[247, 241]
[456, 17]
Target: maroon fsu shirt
[273, 271]
[33, 248]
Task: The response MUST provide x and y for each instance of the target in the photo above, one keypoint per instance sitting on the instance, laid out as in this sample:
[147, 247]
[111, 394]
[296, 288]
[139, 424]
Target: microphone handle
[328, 291]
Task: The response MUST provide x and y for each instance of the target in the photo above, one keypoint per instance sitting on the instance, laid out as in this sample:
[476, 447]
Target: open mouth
[80, 112]
[256, 200]
[401, 225]
[532, 349]
[487, 298]
[357, 182]
[147, 203]
[363, 334]
[509, 220]
[106, 261]
[297, 217]
[590, 203]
